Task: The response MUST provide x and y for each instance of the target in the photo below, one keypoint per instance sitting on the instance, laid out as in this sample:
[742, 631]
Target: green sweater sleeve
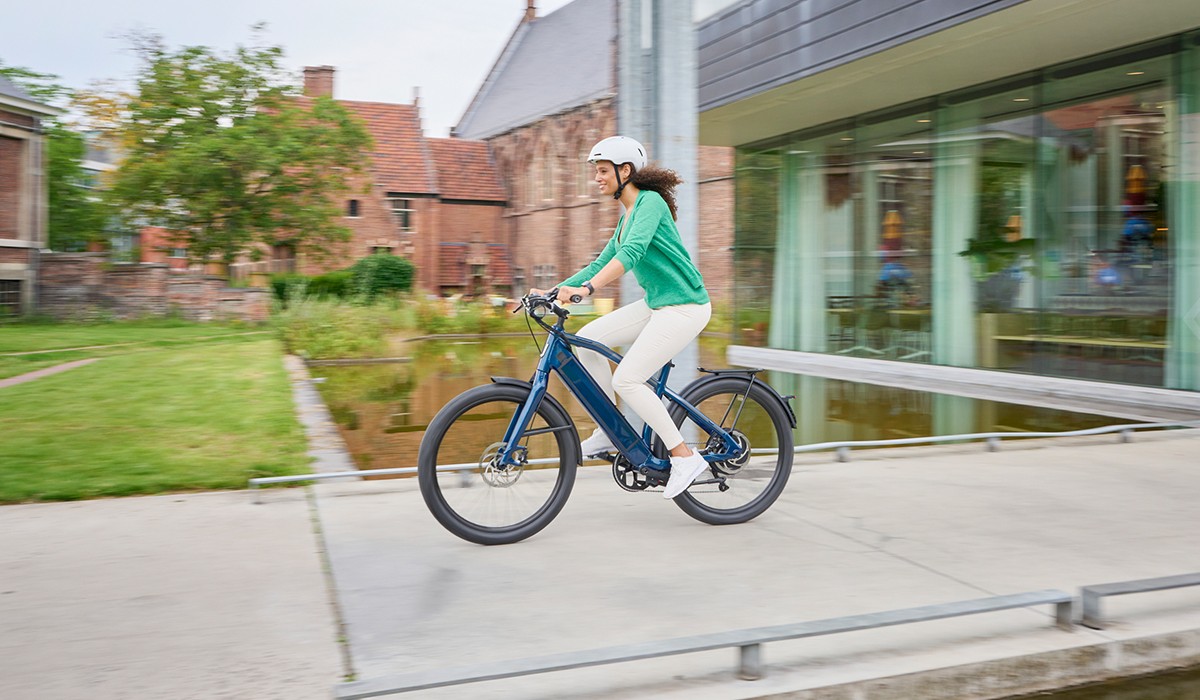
[590, 271]
[649, 246]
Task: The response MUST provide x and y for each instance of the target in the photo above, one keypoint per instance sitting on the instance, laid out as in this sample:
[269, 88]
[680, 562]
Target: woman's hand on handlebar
[571, 295]
[564, 295]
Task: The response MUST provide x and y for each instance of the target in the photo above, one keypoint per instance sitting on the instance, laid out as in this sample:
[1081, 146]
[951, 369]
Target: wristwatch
[591, 290]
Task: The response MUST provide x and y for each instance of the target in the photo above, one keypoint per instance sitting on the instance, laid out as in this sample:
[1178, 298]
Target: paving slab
[176, 596]
[889, 529]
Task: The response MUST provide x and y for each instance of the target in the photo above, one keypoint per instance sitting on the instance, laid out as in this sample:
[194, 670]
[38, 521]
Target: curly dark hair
[658, 180]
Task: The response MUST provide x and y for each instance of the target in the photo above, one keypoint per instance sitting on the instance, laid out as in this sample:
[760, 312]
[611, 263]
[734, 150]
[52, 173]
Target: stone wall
[86, 285]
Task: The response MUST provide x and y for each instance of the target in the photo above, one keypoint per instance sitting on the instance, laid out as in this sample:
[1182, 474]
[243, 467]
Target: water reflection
[1184, 685]
[382, 409]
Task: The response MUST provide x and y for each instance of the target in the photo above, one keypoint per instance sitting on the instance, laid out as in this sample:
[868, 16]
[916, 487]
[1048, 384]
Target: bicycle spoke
[490, 503]
[753, 476]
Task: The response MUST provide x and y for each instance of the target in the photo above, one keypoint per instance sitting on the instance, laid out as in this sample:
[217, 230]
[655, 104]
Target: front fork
[511, 452]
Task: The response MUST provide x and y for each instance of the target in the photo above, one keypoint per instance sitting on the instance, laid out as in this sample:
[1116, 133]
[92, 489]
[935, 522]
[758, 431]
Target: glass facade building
[1047, 222]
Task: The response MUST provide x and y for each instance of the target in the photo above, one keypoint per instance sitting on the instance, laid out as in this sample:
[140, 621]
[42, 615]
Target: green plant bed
[208, 416]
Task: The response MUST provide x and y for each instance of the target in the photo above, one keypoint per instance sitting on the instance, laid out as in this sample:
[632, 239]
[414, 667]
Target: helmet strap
[620, 185]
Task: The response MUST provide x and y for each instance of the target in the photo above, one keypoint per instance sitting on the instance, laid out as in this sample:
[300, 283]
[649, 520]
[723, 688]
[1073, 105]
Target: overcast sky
[381, 49]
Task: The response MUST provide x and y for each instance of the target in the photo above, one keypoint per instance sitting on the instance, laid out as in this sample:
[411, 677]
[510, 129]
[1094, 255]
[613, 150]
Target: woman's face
[606, 177]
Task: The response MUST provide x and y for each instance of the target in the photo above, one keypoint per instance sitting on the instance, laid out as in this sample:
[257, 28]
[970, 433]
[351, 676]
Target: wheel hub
[496, 475]
[733, 465]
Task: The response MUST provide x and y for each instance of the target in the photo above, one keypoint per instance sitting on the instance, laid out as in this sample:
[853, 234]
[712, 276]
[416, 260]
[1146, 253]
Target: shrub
[331, 284]
[317, 329]
[380, 274]
[286, 285]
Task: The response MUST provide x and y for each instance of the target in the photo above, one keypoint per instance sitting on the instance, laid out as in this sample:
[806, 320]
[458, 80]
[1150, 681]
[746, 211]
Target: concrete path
[180, 596]
[891, 529]
[38, 374]
[210, 596]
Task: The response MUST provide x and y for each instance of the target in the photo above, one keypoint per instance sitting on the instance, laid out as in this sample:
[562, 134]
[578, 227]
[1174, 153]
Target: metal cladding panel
[762, 44]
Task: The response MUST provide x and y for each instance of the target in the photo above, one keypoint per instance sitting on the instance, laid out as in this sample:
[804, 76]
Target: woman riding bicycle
[675, 308]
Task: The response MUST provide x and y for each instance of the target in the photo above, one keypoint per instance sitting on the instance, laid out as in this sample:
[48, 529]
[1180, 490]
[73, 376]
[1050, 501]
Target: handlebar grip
[576, 298]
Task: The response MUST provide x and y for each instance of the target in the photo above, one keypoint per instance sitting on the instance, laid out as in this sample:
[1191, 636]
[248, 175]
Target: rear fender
[714, 375]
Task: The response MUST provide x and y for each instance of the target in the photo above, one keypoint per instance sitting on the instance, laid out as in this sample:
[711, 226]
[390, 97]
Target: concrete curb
[1019, 676]
[325, 444]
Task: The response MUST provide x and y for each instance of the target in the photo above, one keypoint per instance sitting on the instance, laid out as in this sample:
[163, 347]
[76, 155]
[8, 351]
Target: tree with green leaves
[76, 212]
[222, 150]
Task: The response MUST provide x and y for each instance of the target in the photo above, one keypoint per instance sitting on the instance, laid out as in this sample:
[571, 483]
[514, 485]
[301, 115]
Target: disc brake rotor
[497, 476]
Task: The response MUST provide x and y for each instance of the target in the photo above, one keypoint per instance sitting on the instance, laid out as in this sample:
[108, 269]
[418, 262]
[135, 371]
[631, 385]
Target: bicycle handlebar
[536, 305]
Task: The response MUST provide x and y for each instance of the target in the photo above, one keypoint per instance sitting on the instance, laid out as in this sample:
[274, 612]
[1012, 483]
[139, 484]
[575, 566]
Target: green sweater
[651, 247]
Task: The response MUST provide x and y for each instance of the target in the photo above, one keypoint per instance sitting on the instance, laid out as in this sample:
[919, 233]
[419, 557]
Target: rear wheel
[465, 488]
[754, 479]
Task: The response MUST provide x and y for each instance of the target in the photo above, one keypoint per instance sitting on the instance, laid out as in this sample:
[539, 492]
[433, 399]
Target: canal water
[381, 411]
[1183, 685]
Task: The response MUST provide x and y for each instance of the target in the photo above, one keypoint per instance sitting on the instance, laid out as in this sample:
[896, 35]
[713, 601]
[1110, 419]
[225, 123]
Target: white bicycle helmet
[619, 150]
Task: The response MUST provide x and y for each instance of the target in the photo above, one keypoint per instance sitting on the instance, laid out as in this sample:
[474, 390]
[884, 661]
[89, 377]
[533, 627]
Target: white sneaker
[684, 471]
[598, 443]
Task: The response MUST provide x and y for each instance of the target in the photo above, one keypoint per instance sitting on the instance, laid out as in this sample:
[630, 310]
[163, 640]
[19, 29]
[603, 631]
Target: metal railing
[749, 642]
[840, 448]
[1091, 595]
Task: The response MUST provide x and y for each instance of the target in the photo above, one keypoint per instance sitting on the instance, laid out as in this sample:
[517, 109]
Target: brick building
[549, 97]
[437, 202]
[23, 197]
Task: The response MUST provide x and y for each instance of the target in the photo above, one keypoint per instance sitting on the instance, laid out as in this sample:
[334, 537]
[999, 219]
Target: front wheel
[753, 481]
[465, 488]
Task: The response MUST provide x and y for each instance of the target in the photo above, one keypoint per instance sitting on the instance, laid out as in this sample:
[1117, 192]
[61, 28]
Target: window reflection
[1023, 226]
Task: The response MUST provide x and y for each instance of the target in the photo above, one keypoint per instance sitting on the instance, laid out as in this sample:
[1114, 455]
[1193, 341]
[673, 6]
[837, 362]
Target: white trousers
[653, 337]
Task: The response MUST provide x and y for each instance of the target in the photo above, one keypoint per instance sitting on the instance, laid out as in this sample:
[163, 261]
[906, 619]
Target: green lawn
[197, 414]
[51, 342]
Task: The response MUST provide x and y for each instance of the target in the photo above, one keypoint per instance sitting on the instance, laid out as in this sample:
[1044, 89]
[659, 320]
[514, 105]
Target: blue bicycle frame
[558, 357]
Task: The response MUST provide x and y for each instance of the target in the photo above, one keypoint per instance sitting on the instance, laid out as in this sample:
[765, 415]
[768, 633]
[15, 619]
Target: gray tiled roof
[550, 64]
[14, 97]
[8, 89]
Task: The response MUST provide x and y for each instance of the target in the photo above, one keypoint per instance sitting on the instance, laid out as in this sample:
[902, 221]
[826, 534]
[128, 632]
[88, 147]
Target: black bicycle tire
[782, 422]
[427, 467]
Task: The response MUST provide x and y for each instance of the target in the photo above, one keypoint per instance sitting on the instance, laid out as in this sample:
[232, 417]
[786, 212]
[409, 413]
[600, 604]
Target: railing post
[1063, 614]
[1091, 609]
[751, 662]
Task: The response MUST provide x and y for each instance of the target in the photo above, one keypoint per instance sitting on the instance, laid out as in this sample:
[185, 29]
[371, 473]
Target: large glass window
[1026, 225]
[893, 166]
[756, 223]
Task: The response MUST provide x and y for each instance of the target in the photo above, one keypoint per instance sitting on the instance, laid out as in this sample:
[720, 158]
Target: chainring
[627, 475]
